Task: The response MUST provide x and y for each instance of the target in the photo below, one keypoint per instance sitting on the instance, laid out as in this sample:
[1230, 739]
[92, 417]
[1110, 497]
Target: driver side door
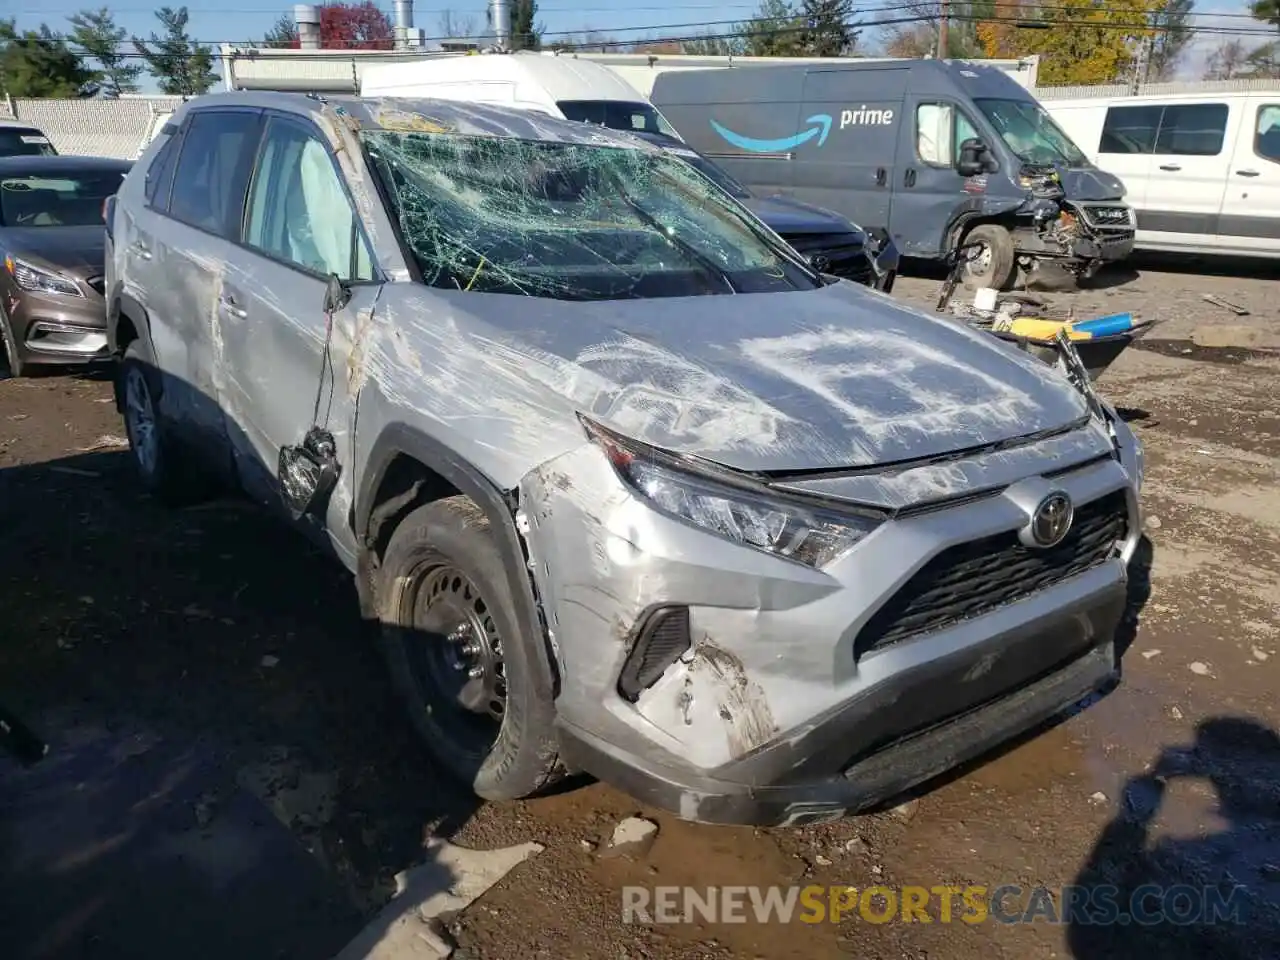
[291, 360]
[929, 191]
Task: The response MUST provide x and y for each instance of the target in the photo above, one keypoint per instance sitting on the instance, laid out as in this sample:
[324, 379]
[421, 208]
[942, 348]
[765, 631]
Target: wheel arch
[128, 320]
[406, 469]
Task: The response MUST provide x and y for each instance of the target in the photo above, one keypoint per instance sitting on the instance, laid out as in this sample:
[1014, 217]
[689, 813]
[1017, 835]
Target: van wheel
[457, 654]
[993, 265]
[164, 469]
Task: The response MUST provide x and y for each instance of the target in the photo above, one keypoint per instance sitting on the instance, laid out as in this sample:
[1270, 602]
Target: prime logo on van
[819, 125]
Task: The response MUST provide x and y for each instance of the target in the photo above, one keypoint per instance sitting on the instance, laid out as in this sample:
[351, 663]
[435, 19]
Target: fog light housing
[663, 638]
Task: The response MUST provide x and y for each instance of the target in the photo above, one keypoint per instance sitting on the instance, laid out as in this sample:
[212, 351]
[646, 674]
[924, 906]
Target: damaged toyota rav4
[627, 487]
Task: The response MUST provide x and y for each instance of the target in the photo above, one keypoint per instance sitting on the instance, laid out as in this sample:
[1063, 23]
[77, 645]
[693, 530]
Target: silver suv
[629, 488]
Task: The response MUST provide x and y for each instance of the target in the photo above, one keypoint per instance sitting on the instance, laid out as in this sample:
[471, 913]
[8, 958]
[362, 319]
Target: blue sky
[241, 21]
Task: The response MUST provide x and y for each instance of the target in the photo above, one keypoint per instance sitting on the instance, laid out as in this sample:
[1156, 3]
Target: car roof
[418, 115]
[26, 164]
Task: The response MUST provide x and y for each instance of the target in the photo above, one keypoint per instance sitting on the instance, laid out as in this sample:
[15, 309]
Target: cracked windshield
[1031, 133]
[572, 221]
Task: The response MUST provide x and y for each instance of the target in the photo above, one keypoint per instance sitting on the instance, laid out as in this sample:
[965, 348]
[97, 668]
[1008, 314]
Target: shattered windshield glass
[572, 221]
[1031, 133]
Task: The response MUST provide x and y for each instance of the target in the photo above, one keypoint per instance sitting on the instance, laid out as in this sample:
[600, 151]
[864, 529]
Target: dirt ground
[229, 775]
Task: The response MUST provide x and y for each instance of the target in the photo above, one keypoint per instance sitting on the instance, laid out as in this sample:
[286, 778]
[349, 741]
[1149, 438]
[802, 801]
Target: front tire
[457, 653]
[994, 264]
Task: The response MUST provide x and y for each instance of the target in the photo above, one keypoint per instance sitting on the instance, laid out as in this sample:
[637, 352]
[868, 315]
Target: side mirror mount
[975, 158]
[336, 294]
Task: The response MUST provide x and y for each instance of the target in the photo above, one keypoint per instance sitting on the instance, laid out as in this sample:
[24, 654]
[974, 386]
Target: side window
[1266, 143]
[298, 209]
[933, 133]
[160, 174]
[964, 130]
[208, 189]
[1192, 129]
[1130, 129]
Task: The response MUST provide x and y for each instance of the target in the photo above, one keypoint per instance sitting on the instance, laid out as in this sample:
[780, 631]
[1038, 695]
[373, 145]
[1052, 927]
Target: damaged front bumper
[799, 694]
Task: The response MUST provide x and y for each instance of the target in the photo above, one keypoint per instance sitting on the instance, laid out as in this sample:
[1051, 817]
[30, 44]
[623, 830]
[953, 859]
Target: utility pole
[942, 30]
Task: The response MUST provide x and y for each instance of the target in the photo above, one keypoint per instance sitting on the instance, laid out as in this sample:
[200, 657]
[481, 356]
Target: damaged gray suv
[628, 487]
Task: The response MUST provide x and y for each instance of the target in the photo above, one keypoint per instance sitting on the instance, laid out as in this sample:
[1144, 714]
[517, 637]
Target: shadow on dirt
[229, 773]
[1210, 896]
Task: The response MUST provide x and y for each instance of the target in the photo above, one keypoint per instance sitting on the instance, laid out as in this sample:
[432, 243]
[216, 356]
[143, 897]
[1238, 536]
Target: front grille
[1108, 216]
[975, 578]
[845, 253]
[98, 285]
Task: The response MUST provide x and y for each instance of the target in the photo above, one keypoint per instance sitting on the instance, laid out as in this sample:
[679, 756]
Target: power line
[1262, 30]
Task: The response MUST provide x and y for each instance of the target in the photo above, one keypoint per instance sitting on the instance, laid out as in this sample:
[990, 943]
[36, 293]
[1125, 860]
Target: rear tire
[994, 265]
[163, 468]
[458, 656]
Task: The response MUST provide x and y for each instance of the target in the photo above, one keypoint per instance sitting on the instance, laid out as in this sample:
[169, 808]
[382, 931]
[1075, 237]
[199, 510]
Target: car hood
[75, 250]
[787, 216]
[824, 379]
[1090, 183]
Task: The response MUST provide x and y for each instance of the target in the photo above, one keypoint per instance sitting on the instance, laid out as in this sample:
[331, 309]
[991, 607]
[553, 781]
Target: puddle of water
[1189, 350]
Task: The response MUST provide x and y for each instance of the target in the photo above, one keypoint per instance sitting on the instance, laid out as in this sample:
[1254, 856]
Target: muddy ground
[229, 776]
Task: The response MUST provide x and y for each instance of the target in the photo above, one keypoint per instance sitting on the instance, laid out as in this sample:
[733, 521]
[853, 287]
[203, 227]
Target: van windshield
[636, 116]
[572, 221]
[1031, 133]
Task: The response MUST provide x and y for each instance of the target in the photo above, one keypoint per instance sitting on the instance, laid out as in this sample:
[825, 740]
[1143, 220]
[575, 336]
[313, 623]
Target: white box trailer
[1200, 161]
[642, 69]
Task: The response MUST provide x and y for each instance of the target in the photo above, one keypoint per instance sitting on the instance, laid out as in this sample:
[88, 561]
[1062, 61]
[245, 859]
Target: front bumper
[800, 695]
[810, 779]
[55, 329]
[1107, 247]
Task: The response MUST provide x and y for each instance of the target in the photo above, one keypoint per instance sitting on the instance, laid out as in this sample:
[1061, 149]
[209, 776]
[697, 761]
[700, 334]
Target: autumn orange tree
[1080, 41]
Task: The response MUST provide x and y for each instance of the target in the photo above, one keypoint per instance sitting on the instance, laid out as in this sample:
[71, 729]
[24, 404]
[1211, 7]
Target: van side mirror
[975, 158]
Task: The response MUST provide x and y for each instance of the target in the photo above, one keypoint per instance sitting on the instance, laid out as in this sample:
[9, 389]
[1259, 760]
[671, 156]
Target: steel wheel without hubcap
[140, 420]
[979, 263]
[455, 658]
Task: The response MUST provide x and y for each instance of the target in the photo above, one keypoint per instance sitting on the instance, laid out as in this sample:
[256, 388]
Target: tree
[355, 26]
[454, 26]
[1172, 34]
[717, 45]
[39, 63]
[774, 31]
[96, 35]
[921, 39]
[1088, 41]
[1268, 11]
[827, 31]
[283, 33]
[181, 66]
[525, 34]
[1229, 61]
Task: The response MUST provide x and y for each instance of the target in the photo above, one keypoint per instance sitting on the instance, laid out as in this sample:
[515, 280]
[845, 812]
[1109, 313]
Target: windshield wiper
[683, 246]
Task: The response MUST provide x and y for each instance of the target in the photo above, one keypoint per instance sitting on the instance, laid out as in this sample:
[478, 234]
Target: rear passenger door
[183, 249]
[299, 227]
[1189, 173]
[1250, 220]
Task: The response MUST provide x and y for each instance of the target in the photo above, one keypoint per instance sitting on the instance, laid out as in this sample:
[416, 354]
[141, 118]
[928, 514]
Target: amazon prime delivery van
[938, 152]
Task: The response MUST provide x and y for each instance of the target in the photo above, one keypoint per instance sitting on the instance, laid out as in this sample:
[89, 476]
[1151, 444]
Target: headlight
[39, 281]
[1131, 456]
[734, 508]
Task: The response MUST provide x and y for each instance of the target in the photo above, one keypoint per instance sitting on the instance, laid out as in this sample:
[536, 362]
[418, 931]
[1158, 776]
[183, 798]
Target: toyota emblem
[1052, 520]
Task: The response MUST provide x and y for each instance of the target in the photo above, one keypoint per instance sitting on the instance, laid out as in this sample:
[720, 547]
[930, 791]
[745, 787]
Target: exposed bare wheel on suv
[457, 655]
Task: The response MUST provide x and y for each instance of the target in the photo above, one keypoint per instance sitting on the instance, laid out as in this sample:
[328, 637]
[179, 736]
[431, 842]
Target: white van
[1201, 168]
[562, 87]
